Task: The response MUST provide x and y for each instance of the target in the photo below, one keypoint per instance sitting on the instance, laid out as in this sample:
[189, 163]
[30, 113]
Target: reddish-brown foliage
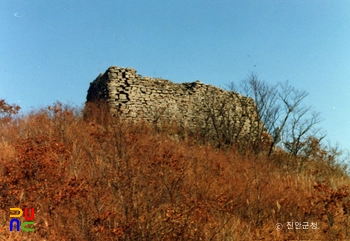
[7, 111]
[93, 177]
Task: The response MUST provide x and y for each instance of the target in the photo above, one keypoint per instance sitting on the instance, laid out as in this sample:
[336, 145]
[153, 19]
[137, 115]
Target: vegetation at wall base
[91, 176]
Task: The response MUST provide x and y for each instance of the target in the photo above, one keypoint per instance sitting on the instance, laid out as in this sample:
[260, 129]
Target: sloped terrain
[91, 177]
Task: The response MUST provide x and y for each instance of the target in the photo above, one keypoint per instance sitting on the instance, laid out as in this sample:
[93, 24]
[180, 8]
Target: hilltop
[93, 177]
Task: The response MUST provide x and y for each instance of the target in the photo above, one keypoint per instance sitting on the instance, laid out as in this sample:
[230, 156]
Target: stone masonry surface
[191, 105]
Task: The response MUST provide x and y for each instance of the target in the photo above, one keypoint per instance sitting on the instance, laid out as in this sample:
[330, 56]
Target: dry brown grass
[92, 177]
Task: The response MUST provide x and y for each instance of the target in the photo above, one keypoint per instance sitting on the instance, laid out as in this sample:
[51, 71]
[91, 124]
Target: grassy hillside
[90, 177]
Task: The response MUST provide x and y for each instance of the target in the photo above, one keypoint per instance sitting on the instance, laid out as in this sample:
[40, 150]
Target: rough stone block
[189, 103]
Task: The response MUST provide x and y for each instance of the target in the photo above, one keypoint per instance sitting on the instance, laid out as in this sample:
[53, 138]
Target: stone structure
[193, 105]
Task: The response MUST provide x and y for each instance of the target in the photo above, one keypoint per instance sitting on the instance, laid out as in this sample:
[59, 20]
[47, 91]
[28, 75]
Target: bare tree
[267, 107]
[282, 113]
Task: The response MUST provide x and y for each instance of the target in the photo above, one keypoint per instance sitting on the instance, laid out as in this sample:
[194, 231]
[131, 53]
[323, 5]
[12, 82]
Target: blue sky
[52, 50]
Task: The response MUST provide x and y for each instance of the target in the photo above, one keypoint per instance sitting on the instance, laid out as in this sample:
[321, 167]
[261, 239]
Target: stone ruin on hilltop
[196, 106]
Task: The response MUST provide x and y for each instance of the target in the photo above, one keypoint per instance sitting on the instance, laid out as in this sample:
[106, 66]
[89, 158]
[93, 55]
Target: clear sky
[52, 50]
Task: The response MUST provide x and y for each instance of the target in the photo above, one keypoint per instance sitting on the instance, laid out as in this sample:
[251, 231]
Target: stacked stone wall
[192, 105]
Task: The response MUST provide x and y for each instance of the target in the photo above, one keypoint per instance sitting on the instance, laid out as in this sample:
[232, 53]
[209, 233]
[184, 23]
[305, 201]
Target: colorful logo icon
[16, 221]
